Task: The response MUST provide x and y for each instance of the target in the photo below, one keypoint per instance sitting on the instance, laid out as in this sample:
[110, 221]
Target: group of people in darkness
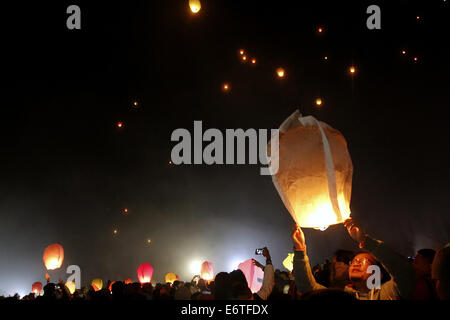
[345, 277]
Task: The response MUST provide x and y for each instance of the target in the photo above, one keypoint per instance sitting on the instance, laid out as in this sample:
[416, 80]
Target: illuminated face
[358, 267]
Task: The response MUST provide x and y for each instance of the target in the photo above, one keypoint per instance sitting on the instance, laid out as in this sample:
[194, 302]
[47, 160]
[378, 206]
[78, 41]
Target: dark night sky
[67, 171]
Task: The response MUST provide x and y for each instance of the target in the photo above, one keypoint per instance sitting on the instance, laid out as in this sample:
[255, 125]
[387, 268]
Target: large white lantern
[314, 178]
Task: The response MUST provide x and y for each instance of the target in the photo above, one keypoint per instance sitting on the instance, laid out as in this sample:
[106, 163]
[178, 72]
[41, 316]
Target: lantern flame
[280, 72]
[195, 5]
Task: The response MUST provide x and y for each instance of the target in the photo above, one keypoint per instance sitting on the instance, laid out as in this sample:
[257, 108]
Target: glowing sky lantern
[226, 87]
[314, 179]
[244, 58]
[53, 256]
[288, 263]
[352, 70]
[253, 61]
[253, 274]
[241, 51]
[97, 283]
[195, 5]
[145, 273]
[71, 286]
[119, 124]
[318, 102]
[207, 271]
[36, 288]
[280, 72]
[171, 277]
[128, 281]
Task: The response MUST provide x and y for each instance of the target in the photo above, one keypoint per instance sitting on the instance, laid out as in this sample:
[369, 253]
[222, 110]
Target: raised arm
[399, 268]
[304, 278]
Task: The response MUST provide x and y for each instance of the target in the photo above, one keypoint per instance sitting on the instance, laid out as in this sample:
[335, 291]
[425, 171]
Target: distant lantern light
[325, 58]
[171, 277]
[207, 271]
[280, 72]
[226, 87]
[195, 267]
[244, 58]
[416, 59]
[318, 102]
[403, 51]
[149, 241]
[320, 29]
[352, 70]
[145, 273]
[195, 5]
[36, 288]
[417, 17]
[70, 285]
[53, 257]
[135, 104]
[119, 124]
[253, 61]
[241, 51]
[125, 210]
[97, 284]
[115, 232]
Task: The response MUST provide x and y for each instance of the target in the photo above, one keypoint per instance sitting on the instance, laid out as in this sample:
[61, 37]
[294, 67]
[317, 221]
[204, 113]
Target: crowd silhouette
[345, 277]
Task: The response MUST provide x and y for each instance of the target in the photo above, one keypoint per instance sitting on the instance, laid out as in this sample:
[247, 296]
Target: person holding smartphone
[269, 276]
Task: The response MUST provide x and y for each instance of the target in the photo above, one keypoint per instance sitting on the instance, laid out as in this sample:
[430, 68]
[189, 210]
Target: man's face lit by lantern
[358, 267]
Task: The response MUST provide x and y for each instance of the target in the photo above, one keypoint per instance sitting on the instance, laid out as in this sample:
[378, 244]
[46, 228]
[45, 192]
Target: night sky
[67, 171]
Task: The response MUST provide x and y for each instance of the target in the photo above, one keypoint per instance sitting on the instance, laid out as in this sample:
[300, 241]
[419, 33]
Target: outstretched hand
[298, 238]
[356, 231]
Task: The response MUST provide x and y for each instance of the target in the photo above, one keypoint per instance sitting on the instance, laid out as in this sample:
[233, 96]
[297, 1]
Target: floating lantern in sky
[253, 274]
[352, 70]
[36, 288]
[403, 51]
[226, 87]
[149, 241]
[325, 58]
[320, 29]
[318, 102]
[70, 285]
[195, 5]
[171, 277]
[125, 210]
[135, 104]
[244, 58]
[241, 51]
[416, 59]
[207, 271]
[288, 263]
[115, 231]
[97, 283]
[145, 273]
[53, 256]
[253, 60]
[280, 72]
[314, 178]
[128, 281]
[119, 124]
